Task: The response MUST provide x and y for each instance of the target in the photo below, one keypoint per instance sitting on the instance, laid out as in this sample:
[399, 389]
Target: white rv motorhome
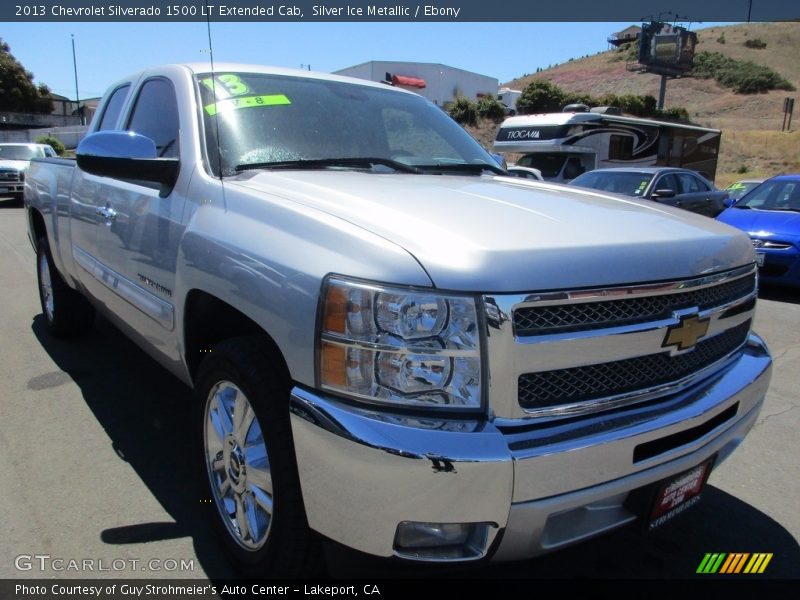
[564, 145]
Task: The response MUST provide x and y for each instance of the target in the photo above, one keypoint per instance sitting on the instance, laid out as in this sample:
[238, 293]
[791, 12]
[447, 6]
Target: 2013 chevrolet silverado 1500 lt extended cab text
[391, 342]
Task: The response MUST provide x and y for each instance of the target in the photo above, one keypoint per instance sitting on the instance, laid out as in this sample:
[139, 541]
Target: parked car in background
[739, 188]
[14, 161]
[677, 187]
[525, 172]
[770, 215]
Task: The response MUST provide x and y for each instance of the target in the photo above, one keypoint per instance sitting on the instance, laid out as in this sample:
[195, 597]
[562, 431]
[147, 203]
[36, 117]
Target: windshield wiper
[472, 168]
[322, 163]
[787, 209]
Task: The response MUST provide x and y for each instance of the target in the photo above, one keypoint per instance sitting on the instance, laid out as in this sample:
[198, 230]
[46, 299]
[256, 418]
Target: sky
[109, 51]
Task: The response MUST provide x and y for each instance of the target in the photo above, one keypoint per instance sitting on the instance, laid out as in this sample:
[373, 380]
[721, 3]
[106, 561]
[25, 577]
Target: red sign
[679, 493]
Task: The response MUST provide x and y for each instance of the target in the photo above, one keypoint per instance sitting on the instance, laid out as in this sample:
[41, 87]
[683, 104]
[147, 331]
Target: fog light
[441, 541]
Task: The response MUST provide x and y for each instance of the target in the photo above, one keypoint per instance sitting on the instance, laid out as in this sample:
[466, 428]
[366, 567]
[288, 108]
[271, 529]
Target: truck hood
[20, 165]
[503, 234]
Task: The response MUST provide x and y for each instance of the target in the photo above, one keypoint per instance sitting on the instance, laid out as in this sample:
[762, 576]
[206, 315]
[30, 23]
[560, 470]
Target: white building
[439, 83]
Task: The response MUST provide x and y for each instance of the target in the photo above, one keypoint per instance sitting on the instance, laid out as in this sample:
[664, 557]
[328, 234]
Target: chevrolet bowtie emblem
[686, 333]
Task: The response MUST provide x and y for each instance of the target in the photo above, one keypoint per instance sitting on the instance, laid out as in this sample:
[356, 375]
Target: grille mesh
[553, 388]
[540, 320]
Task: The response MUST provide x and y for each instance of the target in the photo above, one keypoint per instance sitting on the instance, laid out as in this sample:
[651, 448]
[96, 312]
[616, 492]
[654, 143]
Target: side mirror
[126, 155]
[665, 193]
[728, 202]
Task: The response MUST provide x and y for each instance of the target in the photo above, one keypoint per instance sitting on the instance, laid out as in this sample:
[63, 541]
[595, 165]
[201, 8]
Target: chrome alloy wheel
[238, 466]
[46, 287]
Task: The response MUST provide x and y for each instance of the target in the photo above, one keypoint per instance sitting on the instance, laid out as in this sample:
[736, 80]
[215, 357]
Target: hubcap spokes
[238, 465]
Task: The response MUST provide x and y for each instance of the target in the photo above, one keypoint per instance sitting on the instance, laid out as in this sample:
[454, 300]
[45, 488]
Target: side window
[788, 196]
[668, 182]
[155, 115]
[620, 147]
[113, 108]
[691, 184]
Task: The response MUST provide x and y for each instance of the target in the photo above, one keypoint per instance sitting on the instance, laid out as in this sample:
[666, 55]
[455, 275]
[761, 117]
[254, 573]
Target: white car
[14, 161]
[525, 172]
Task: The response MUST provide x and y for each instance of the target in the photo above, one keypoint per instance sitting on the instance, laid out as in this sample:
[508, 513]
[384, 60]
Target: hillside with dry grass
[752, 143]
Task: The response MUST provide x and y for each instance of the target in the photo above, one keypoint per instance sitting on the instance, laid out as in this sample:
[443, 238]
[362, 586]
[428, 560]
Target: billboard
[667, 48]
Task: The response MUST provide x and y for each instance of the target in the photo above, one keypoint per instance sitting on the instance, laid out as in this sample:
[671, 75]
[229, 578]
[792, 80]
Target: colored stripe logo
[246, 102]
[734, 563]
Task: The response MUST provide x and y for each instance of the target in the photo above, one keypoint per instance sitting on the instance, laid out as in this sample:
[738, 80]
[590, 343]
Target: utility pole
[75, 70]
[662, 92]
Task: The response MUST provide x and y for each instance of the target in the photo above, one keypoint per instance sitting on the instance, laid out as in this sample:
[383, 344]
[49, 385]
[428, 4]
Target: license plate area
[676, 494]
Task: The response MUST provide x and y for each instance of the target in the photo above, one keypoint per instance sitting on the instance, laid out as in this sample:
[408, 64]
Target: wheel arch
[37, 227]
[208, 320]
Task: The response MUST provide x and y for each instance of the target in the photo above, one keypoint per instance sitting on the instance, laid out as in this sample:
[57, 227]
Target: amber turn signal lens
[333, 366]
[335, 311]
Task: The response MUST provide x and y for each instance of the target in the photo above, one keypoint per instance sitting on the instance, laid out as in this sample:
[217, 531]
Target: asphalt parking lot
[95, 453]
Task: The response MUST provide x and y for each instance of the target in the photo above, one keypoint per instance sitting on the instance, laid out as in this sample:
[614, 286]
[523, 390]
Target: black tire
[66, 311]
[289, 549]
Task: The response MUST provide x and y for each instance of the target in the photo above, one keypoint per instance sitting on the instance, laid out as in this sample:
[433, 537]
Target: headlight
[400, 347]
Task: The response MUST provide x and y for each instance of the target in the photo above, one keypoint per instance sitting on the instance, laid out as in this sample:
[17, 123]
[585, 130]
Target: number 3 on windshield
[226, 85]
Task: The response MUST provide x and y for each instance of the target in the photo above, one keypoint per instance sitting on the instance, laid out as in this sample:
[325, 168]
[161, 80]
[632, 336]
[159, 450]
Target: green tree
[577, 98]
[18, 93]
[53, 142]
[742, 76]
[541, 96]
[490, 107]
[544, 96]
[464, 111]
[756, 43]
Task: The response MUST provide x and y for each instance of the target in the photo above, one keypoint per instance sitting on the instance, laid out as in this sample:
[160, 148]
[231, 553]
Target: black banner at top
[420, 10]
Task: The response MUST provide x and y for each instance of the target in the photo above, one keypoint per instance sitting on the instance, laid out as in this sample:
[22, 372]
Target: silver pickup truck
[391, 342]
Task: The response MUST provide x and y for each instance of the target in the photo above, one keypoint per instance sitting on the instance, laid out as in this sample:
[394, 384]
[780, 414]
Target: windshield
[618, 182]
[20, 152]
[262, 119]
[773, 195]
[548, 164]
[740, 188]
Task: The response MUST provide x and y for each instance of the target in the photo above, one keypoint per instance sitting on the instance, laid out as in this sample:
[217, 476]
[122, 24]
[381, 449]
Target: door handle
[108, 213]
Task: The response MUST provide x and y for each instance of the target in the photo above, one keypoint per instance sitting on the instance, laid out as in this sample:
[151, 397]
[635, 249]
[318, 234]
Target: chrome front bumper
[363, 473]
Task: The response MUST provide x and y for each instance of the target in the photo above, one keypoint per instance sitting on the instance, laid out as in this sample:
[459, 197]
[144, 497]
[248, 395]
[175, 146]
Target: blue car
[770, 215]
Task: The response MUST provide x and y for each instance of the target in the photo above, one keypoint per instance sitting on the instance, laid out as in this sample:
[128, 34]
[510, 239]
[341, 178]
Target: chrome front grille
[543, 320]
[566, 386]
[558, 354]
[10, 175]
